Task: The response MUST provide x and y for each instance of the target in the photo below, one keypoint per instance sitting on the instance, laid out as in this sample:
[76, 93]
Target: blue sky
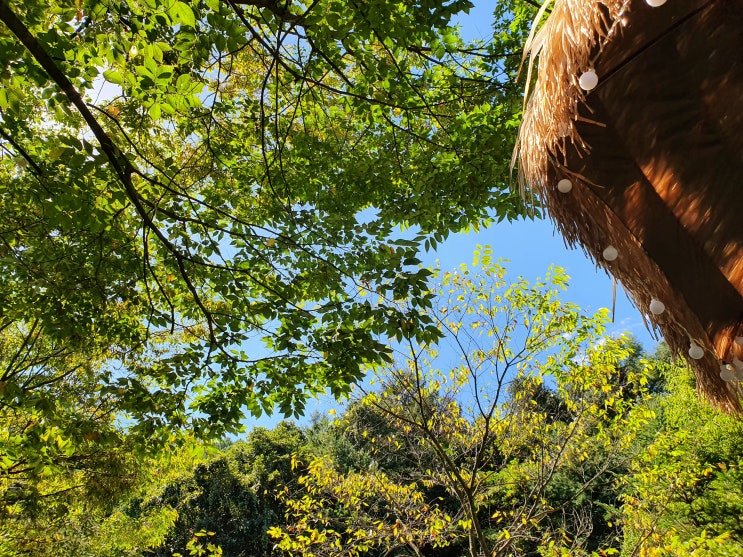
[530, 247]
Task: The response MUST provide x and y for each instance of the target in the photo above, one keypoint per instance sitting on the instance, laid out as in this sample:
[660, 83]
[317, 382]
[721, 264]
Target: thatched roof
[654, 153]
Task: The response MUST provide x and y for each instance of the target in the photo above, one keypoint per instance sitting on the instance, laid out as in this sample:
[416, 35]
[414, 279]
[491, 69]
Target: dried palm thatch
[655, 157]
[574, 31]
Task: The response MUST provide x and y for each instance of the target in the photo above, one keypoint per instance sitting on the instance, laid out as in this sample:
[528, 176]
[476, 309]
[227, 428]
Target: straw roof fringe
[565, 46]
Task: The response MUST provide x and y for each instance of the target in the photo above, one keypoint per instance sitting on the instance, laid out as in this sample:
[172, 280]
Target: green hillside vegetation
[542, 436]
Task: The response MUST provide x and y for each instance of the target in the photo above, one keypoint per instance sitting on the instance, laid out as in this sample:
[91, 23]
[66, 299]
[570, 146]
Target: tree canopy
[537, 434]
[213, 216]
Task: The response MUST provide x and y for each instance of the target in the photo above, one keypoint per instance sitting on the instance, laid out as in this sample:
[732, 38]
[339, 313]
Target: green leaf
[154, 111]
[182, 13]
[183, 82]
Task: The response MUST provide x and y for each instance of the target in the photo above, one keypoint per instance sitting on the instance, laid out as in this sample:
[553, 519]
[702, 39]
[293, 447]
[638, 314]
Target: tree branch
[21, 151]
[122, 167]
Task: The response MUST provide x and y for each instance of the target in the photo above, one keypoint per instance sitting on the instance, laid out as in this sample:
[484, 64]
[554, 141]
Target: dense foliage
[236, 188]
[200, 212]
[201, 205]
[684, 492]
[532, 433]
[537, 442]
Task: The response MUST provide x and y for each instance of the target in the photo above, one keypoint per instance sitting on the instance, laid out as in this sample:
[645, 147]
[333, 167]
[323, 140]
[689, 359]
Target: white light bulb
[696, 351]
[610, 253]
[657, 307]
[726, 374]
[564, 185]
[588, 80]
[655, 3]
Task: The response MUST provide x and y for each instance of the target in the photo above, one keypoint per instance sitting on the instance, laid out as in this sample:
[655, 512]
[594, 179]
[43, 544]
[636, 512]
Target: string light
[657, 307]
[610, 253]
[564, 185]
[732, 371]
[588, 80]
[727, 372]
[695, 351]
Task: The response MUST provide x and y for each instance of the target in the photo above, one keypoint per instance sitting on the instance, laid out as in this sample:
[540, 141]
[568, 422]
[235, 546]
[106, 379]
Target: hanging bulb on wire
[727, 372]
[610, 253]
[695, 351]
[657, 307]
[588, 80]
